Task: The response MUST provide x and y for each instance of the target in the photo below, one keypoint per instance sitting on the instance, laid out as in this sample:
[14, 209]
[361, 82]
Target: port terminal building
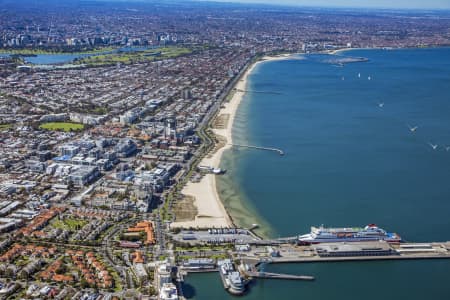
[341, 249]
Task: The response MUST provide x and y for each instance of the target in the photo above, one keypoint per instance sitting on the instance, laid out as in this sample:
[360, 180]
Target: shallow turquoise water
[349, 162]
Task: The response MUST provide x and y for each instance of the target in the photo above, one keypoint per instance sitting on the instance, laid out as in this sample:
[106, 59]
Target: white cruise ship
[351, 234]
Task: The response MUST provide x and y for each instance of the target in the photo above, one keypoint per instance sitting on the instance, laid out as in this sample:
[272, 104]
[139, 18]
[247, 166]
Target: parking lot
[216, 236]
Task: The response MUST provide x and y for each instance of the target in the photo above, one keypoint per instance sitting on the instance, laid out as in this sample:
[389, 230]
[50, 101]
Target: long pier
[279, 151]
[268, 275]
[259, 92]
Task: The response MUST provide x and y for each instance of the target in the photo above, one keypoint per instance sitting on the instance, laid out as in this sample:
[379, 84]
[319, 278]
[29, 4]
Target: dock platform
[315, 259]
[340, 252]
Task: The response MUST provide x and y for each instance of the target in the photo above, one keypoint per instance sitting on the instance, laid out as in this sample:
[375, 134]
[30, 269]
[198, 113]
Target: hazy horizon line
[316, 5]
[291, 4]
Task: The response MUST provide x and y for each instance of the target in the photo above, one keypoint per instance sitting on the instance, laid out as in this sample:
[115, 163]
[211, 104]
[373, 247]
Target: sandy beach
[211, 211]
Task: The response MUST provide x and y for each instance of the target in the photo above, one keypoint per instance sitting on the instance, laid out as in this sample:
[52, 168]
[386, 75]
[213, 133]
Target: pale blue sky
[408, 4]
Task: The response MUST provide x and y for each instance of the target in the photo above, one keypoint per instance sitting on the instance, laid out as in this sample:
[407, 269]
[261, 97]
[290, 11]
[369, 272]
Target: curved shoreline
[211, 211]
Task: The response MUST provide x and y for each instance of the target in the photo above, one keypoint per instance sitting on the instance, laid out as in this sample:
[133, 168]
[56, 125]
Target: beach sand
[210, 209]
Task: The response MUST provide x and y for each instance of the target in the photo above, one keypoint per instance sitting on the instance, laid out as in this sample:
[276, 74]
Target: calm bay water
[350, 160]
[62, 58]
[49, 59]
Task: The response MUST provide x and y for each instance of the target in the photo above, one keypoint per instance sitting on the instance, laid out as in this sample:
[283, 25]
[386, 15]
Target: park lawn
[116, 278]
[134, 57]
[170, 52]
[62, 126]
[5, 126]
[68, 224]
[219, 256]
[100, 110]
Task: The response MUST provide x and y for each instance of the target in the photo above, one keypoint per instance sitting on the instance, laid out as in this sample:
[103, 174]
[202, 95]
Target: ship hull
[336, 235]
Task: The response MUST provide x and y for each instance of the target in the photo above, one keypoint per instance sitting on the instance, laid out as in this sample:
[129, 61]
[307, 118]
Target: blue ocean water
[351, 159]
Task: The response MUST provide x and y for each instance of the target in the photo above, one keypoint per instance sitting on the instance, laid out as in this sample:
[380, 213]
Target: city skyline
[401, 4]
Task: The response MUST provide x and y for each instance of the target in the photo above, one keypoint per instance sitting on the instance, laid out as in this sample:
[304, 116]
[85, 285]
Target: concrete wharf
[315, 259]
[364, 251]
